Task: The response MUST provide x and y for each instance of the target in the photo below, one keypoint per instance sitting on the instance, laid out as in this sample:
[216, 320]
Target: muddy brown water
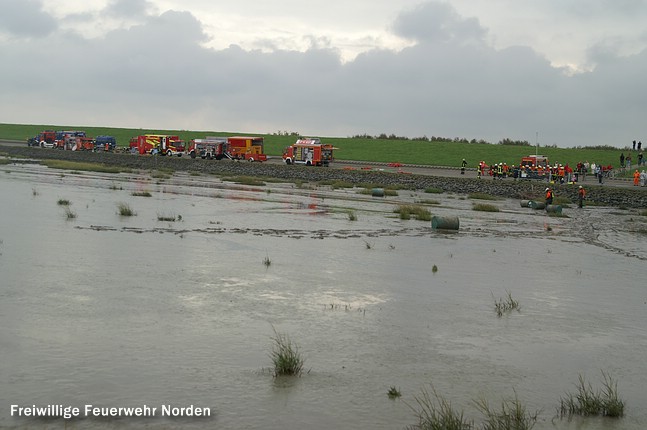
[129, 311]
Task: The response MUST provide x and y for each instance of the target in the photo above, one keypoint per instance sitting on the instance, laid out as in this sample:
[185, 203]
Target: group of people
[557, 173]
[626, 161]
[581, 195]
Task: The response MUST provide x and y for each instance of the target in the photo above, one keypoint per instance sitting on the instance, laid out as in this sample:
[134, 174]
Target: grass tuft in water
[484, 207]
[588, 402]
[69, 213]
[352, 216]
[393, 393]
[419, 212]
[63, 202]
[266, 261]
[286, 357]
[169, 218]
[141, 194]
[512, 415]
[434, 412]
[124, 209]
[503, 306]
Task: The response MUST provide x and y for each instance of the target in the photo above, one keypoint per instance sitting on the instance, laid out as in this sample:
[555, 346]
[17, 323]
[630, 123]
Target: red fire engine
[310, 152]
[211, 147]
[246, 148]
[535, 160]
[163, 144]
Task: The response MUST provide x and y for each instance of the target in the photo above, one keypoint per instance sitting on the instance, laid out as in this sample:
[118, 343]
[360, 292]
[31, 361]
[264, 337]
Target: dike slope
[630, 197]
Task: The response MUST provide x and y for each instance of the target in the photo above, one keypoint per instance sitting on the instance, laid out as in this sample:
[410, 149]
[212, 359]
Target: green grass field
[365, 149]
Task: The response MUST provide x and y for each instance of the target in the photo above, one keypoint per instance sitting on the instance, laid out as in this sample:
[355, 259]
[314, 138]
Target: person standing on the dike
[463, 164]
[581, 194]
[549, 196]
[636, 178]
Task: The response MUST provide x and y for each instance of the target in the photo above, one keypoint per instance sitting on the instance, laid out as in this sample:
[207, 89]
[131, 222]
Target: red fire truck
[211, 147]
[76, 143]
[310, 152]
[45, 139]
[246, 148]
[160, 143]
[535, 160]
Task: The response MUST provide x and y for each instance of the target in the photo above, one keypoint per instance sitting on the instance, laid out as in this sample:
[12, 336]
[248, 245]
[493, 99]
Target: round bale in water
[444, 222]
[554, 209]
[537, 205]
[377, 192]
[525, 203]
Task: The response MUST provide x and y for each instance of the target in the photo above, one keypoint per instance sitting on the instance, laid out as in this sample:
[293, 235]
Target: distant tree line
[506, 141]
[384, 136]
[602, 147]
[287, 133]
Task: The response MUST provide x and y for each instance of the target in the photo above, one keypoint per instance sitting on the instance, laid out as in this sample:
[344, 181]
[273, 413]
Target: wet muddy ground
[127, 311]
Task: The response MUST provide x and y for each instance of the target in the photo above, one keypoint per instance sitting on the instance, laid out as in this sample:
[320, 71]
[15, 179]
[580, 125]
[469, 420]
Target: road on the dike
[441, 171]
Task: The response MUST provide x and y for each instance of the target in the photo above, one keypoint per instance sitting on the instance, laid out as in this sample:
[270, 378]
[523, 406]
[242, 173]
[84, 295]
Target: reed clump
[503, 306]
[434, 412]
[141, 194]
[407, 211]
[124, 209]
[587, 401]
[393, 393]
[285, 355]
[484, 207]
[512, 414]
[169, 218]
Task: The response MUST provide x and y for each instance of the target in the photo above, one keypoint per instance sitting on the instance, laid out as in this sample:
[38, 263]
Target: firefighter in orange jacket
[549, 196]
[636, 178]
[581, 193]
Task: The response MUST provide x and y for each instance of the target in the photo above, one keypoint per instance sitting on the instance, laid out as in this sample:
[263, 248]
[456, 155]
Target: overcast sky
[564, 72]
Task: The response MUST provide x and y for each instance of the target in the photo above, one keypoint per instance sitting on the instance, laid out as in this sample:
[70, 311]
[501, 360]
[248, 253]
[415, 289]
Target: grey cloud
[25, 18]
[128, 8]
[433, 22]
[160, 73]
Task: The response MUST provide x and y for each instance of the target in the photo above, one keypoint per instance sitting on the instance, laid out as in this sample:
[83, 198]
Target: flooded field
[177, 304]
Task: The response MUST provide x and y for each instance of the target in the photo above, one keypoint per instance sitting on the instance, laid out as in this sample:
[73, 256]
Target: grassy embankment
[361, 149]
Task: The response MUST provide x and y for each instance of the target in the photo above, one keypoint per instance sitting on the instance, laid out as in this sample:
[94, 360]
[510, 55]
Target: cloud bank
[157, 72]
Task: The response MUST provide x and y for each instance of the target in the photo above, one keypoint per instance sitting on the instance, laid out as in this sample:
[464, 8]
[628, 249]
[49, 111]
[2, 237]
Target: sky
[555, 72]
